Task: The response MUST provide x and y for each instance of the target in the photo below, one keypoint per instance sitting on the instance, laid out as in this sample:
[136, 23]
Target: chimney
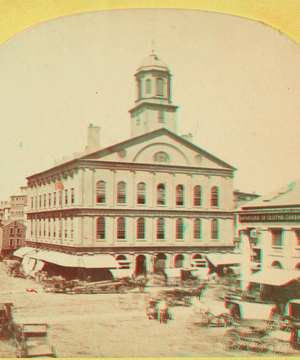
[188, 137]
[93, 138]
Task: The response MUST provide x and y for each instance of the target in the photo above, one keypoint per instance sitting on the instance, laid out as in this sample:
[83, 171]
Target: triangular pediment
[144, 149]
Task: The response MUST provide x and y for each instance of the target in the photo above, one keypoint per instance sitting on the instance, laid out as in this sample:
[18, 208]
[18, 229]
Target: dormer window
[159, 87]
[161, 117]
[161, 157]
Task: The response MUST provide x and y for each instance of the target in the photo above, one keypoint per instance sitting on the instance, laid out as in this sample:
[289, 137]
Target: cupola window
[148, 86]
[139, 89]
[159, 87]
[161, 117]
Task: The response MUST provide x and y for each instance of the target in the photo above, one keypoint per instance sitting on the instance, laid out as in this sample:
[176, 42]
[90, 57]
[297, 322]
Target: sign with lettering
[280, 217]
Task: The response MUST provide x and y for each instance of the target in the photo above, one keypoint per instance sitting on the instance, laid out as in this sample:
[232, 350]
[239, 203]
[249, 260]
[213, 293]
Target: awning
[121, 273]
[86, 261]
[23, 251]
[98, 261]
[28, 264]
[271, 276]
[224, 259]
[39, 265]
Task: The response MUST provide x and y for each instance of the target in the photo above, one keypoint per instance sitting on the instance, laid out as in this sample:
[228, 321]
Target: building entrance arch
[178, 262]
[160, 263]
[140, 265]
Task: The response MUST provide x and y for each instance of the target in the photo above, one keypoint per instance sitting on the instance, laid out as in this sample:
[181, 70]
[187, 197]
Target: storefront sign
[295, 217]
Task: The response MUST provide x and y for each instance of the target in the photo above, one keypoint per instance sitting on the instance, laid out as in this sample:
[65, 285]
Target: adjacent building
[18, 205]
[12, 237]
[272, 222]
[155, 200]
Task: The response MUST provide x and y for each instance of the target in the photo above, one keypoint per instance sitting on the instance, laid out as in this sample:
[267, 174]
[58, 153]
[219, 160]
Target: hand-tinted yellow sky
[236, 82]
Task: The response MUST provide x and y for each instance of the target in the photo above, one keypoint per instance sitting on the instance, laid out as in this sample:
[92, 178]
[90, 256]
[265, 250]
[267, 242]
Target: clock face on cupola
[154, 109]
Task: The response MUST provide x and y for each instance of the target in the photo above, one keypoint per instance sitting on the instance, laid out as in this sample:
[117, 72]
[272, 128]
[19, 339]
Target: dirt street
[109, 325]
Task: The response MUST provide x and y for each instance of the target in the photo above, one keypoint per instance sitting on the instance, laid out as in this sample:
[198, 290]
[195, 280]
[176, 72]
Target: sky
[236, 82]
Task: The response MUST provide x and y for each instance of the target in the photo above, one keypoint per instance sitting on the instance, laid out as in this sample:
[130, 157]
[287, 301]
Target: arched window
[121, 258]
[121, 228]
[141, 228]
[197, 229]
[179, 195]
[277, 265]
[148, 86]
[161, 157]
[179, 260]
[141, 193]
[214, 196]
[121, 193]
[101, 228]
[197, 196]
[159, 87]
[161, 117]
[160, 228]
[179, 229]
[161, 194]
[215, 229]
[101, 192]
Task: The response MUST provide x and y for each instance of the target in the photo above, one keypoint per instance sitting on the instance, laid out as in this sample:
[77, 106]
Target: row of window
[277, 238]
[53, 227]
[14, 231]
[49, 227]
[160, 228]
[56, 197]
[160, 194]
[11, 242]
[159, 87]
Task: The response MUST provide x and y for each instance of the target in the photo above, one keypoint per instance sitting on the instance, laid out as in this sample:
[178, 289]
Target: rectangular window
[54, 227]
[11, 242]
[40, 201]
[31, 227]
[32, 202]
[49, 196]
[18, 242]
[40, 228]
[49, 227]
[73, 196]
[11, 230]
[277, 242]
[66, 197]
[36, 202]
[60, 226]
[18, 231]
[60, 196]
[66, 227]
[72, 228]
[45, 200]
[54, 199]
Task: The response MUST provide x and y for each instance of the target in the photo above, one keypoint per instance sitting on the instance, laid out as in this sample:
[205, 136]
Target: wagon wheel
[197, 283]
[171, 300]
[231, 341]
[122, 289]
[255, 346]
[91, 289]
[187, 301]
[188, 283]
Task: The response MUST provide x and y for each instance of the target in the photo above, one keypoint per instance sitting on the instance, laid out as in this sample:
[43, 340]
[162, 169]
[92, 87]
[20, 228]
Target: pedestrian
[163, 310]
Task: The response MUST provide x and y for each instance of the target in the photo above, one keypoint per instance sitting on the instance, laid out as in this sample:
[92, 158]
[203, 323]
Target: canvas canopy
[121, 273]
[224, 259]
[271, 276]
[85, 261]
[23, 251]
[173, 273]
